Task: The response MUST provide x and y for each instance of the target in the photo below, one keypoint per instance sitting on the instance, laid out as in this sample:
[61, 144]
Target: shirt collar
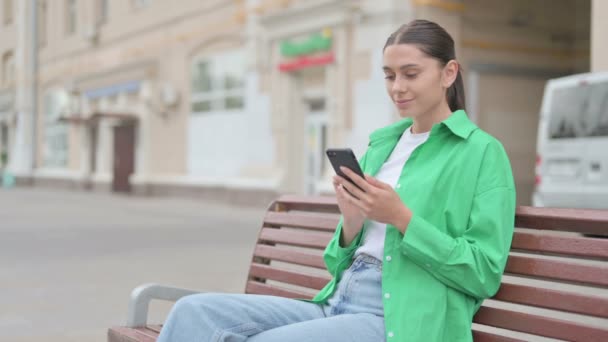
[458, 123]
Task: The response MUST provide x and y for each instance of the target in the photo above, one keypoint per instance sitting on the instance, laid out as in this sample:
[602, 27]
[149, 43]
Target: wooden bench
[555, 285]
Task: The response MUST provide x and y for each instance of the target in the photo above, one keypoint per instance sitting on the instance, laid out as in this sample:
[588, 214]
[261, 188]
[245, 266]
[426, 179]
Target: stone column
[21, 163]
[599, 35]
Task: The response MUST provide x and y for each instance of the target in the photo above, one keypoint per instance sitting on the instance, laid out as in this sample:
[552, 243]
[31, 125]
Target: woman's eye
[411, 75]
[389, 77]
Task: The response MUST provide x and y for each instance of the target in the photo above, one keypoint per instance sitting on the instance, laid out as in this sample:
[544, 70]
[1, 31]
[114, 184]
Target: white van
[572, 146]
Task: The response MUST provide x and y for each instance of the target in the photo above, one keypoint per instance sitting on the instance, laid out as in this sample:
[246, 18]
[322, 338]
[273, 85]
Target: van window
[598, 110]
[579, 111]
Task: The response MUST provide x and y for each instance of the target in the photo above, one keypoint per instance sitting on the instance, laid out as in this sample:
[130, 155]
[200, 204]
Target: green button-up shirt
[459, 185]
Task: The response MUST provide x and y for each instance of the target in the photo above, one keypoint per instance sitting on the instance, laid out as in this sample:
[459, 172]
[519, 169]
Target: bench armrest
[141, 297]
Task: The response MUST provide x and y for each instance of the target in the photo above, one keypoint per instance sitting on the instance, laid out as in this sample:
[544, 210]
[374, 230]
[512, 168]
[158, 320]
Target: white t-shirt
[373, 240]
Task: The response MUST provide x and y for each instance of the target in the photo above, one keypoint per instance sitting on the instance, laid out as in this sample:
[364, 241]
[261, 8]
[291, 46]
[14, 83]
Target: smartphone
[344, 157]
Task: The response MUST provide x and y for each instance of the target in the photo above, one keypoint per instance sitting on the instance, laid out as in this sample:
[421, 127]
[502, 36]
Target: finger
[347, 192]
[373, 181]
[343, 195]
[340, 196]
[339, 192]
[347, 183]
[335, 181]
[356, 192]
[356, 179]
[353, 200]
[340, 179]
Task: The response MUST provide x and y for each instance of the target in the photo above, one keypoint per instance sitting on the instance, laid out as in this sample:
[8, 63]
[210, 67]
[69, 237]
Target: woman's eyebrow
[403, 67]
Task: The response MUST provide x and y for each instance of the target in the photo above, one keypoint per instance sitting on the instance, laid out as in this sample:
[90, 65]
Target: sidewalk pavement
[69, 260]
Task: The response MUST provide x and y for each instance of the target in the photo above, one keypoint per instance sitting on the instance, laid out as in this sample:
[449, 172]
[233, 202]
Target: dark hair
[434, 41]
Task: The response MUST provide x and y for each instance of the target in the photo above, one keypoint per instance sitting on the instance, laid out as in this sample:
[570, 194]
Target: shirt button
[389, 258]
[398, 185]
[390, 334]
[428, 265]
[387, 295]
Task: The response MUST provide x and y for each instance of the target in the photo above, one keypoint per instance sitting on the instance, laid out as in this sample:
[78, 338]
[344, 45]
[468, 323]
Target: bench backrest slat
[552, 299]
[265, 289]
[289, 255]
[288, 277]
[299, 238]
[558, 244]
[326, 223]
[551, 267]
[558, 269]
[485, 336]
[540, 325]
[562, 219]
[317, 204]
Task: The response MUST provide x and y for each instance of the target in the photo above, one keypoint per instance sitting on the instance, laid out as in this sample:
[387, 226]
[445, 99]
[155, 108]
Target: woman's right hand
[353, 217]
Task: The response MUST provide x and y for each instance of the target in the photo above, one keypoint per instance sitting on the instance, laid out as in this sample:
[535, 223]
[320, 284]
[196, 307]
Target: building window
[218, 83]
[55, 150]
[141, 3]
[70, 16]
[42, 13]
[4, 149]
[102, 12]
[8, 68]
[8, 12]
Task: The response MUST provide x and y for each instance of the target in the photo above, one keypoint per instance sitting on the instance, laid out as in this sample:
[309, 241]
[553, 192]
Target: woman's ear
[450, 72]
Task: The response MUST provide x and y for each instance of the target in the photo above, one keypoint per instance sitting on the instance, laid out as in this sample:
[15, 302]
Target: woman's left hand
[378, 201]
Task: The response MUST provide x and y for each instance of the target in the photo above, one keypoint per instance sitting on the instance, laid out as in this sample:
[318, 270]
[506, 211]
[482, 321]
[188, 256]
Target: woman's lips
[402, 104]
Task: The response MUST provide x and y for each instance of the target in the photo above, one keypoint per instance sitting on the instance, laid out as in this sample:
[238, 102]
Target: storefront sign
[307, 62]
[314, 51]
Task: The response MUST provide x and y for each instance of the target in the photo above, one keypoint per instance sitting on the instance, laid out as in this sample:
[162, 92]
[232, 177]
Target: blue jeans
[354, 313]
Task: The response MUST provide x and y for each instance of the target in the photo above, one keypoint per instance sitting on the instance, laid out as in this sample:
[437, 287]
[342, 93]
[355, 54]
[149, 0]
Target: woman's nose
[399, 86]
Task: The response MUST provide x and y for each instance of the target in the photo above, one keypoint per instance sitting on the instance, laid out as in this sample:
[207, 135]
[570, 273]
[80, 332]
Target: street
[68, 260]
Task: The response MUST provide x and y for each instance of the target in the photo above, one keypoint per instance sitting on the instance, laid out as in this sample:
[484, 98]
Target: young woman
[418, 248]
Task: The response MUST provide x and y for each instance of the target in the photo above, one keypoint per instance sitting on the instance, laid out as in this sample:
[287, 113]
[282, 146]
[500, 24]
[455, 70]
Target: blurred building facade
[237, 100]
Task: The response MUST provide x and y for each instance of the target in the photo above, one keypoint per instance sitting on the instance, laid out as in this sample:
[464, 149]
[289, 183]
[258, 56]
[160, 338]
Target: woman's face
[414, 81]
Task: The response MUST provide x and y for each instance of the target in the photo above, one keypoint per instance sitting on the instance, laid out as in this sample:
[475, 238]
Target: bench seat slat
[290, 277]
[124, 334]
[301, 220]
[540, 325]
[291, 256]
[558, 269]
[303, 239]
[552, 299]
[569, 245]
[254, 287]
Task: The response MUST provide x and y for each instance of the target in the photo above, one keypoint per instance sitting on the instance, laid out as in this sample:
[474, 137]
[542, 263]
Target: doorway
[124, 157]
[315, 143]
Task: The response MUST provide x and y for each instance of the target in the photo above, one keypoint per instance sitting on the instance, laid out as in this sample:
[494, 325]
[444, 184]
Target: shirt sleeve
[474, 262]
[335, 254]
